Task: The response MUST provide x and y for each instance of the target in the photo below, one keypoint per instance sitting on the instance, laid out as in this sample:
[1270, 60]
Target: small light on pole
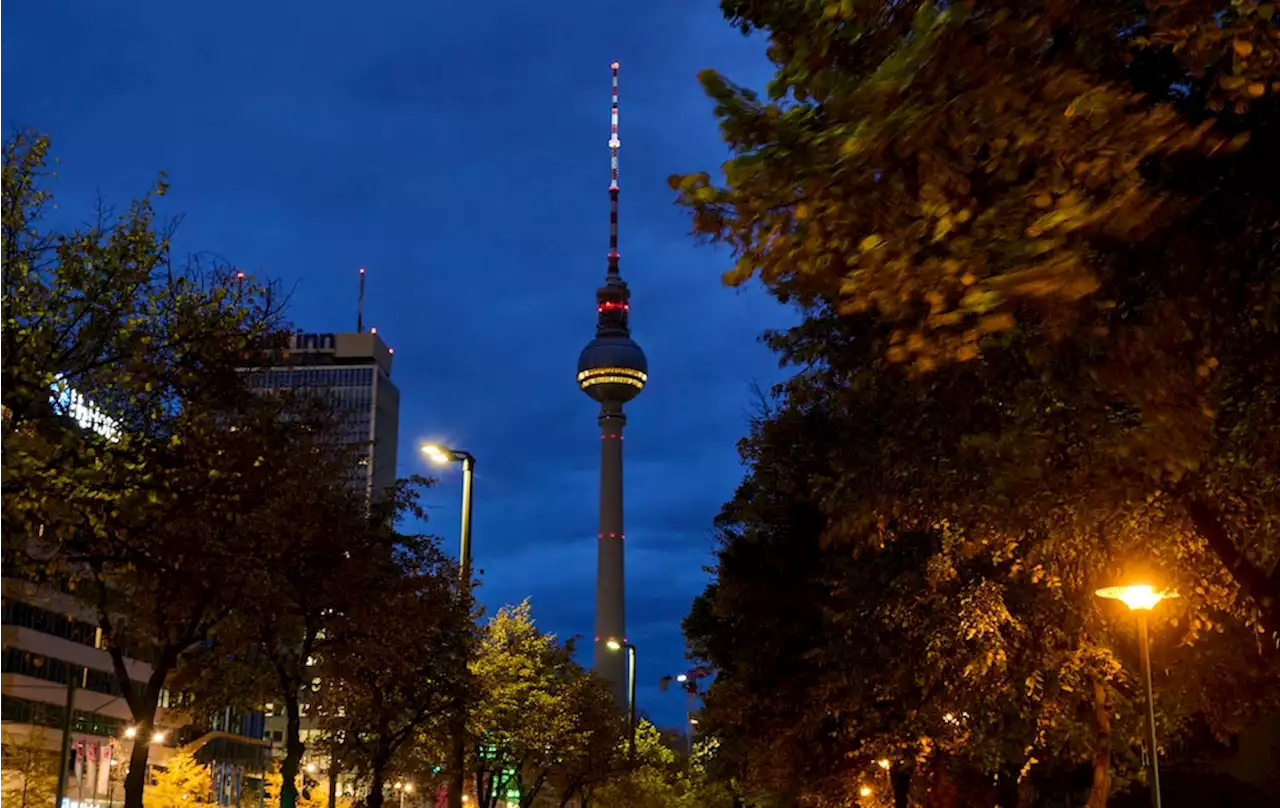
[614, 645]
[1142, 598]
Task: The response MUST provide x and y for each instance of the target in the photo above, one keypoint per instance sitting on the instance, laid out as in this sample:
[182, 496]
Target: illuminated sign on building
[314, 342]
[70, 403]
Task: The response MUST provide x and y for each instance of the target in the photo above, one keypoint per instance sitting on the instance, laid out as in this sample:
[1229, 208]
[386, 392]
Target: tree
[396, 664]
[312, 798]
[30, 771]
[181, 783]
[133, 453]
[541, 719]
[1074, 200]
[161, 590]
[660, 780]
[596, 751]
[99, 314]
[321, 546]
[963, 655]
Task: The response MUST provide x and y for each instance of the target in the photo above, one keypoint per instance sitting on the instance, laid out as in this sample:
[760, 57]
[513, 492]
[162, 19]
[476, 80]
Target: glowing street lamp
[1142, 598]
[614, 645]
[441, 455]
[403, 788]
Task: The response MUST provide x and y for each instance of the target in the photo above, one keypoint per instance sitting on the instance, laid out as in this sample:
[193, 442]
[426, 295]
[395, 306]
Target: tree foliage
[1073, 202]
[306, 798]
[134, 456]
[321, 548]
[181, 783]
[1035, 250]
[946, 647]
[30, 771]
[662, 778]
[395, 665]
[541, 721]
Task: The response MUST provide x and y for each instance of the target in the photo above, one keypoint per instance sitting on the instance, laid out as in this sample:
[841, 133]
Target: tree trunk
[1026, 792]
[377, 779]
[136, 779]
[900, 782]
[293, 749]
[1101, 786]
[944, 792]
[1256, 583]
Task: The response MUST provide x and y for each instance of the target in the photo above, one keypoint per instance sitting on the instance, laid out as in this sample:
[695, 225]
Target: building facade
[353, 372]
[53, 650]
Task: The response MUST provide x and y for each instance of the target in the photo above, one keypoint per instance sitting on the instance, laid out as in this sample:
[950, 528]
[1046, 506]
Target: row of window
[39, 713]
[25, 615]
[289, 378]
[39, 666]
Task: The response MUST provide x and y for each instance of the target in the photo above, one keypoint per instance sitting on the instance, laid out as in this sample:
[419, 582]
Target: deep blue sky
[458, 151]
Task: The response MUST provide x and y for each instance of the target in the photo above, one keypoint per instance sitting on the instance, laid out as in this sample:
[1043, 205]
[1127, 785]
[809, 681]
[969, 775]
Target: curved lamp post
[615, 645]
[1142, 598]
[440, 455]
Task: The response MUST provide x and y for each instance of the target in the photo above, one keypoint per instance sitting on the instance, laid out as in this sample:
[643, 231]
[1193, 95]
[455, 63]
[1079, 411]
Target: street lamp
[1142, 598]
[614, 645]
[404, 788]
[440, 455]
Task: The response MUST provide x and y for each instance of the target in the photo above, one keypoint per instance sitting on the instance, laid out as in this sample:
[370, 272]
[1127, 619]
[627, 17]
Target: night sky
[458, 151]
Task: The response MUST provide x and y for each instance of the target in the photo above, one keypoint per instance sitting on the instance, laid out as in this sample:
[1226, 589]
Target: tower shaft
[610, 573]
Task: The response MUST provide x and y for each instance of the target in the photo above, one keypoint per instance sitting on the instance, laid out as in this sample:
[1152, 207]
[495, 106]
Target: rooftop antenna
[360, 306]
[614, 143]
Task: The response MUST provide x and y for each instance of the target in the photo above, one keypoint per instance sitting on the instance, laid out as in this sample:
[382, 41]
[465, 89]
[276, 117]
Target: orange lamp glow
[1138, 597]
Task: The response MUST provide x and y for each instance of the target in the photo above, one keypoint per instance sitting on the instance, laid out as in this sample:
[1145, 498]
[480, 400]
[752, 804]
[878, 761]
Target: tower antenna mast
[360, 305]
[614, 143]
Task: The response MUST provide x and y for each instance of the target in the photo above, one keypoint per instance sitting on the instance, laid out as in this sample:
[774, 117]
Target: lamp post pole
[631, 698]
[1145, 656]
[64, 753]
[458, 752]
[616, 645]
[1142, 598]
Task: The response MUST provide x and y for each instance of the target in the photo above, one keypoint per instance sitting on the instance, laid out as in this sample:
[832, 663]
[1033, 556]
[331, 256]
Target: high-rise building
[352, 371]
[612, 370]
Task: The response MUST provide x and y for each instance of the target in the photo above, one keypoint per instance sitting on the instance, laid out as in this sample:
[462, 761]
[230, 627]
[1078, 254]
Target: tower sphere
[612, 370]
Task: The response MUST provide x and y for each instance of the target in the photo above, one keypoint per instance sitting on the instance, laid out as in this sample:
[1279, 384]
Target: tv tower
[612, 370]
